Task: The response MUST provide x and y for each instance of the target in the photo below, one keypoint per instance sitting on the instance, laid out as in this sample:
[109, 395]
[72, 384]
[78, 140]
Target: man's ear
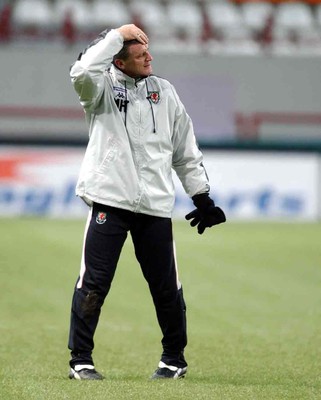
[119, 63]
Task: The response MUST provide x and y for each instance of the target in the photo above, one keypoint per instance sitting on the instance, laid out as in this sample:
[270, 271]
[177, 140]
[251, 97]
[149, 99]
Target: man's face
[138, 63]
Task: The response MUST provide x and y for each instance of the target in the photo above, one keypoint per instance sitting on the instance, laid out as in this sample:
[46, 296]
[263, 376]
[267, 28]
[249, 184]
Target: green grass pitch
[253, 294]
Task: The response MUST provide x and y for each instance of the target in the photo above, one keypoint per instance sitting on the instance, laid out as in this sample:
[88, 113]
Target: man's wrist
[202, 201]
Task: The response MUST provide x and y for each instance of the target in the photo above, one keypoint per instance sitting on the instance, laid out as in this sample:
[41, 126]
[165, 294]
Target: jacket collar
[123, 78]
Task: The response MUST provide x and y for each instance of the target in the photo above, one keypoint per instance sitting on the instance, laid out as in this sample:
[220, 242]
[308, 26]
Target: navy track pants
[105, 233]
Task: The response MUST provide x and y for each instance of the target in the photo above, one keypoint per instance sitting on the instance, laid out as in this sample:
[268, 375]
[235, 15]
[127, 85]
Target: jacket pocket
[111, 154]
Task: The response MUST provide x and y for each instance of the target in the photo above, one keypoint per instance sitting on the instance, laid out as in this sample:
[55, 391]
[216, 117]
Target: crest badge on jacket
[154, 97]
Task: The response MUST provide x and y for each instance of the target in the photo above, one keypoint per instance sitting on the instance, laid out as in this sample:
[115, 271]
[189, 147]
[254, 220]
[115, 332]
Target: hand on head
[131, 32]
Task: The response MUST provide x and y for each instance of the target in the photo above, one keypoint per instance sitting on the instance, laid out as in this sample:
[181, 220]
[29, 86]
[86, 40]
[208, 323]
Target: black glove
[206, 214]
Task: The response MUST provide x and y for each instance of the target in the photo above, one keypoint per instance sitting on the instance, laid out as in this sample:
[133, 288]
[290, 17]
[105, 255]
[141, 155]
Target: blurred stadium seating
[239, 26]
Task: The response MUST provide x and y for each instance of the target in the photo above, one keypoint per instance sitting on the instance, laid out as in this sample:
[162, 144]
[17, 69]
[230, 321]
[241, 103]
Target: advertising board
[271, 185]
[247, 185]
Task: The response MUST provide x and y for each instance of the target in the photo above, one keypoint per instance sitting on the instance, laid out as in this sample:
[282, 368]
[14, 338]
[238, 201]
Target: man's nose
[149, 56]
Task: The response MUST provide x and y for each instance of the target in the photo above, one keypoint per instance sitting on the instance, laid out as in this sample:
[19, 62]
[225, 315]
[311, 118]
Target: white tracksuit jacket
[138, 131]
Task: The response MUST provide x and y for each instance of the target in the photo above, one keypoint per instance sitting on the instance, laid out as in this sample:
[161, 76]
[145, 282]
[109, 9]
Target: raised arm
[87, 73]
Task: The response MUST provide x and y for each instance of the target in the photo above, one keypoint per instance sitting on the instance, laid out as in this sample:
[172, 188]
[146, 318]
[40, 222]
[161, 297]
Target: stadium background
[249, 80]
[252, 285]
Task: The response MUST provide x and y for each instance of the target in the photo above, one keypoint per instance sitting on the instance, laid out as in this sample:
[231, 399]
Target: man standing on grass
[138, 131]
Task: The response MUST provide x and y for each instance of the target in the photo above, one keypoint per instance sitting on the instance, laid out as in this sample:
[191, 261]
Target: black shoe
[85, 372]
[165, 371]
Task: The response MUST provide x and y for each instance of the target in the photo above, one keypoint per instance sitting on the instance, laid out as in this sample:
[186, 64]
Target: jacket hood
[123, 78]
